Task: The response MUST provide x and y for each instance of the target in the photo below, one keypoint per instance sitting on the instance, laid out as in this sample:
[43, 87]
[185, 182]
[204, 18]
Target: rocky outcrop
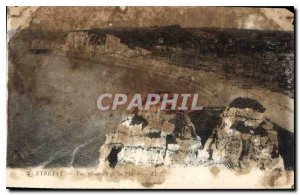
[152, 139]
[93, 43]
[245, 139]
[113, 45]
[84, 42]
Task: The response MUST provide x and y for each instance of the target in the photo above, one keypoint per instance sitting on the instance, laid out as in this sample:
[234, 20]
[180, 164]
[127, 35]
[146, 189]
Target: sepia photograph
[150, 97]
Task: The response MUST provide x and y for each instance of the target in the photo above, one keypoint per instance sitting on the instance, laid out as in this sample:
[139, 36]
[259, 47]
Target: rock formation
[244, 140]
[92, 43]
[152, 139]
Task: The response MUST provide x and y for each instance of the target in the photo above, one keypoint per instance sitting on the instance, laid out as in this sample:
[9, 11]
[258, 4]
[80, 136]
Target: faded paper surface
[239, 60]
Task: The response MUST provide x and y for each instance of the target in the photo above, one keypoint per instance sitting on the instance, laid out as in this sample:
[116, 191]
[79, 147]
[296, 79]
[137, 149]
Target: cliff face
[89, 43]
[255, 58]
[245, 139]
[152, 139]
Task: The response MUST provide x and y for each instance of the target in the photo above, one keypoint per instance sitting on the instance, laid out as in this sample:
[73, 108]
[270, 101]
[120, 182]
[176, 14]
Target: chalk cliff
[245, 139]
[152, 139]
